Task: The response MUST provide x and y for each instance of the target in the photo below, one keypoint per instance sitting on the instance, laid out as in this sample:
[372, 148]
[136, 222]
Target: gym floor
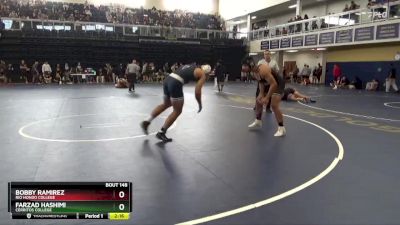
[338, 164]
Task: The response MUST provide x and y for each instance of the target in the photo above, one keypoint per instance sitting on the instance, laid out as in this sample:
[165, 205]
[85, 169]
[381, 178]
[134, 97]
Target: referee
[132, 70]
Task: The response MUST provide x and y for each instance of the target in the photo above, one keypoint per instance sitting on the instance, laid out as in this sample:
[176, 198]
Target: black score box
[93, 216]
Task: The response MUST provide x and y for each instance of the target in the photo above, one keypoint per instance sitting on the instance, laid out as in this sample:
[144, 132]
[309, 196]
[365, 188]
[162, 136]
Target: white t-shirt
[46, 68]
[274, 66]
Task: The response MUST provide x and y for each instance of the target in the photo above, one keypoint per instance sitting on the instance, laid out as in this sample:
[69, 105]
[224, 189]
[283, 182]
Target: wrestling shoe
[256, 124]
[281, 132]
[162, 137]
[145, 125]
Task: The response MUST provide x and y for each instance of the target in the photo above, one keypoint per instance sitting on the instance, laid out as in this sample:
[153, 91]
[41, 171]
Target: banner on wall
[285, 42]
[344, 36]
[387, 31]
[264, 45]
[274, 44]
[326, 38]
[311, 40]
[297, 41]
[364, 34]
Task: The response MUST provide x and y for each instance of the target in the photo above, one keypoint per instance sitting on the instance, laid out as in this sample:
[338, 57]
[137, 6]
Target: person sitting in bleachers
[372, 85]
[58, 76]
[160, 76]
[344, 83]
[46, 71]
[356, 84]
[3, 72]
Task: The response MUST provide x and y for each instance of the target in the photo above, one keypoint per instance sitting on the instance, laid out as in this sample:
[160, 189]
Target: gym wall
[366, 61]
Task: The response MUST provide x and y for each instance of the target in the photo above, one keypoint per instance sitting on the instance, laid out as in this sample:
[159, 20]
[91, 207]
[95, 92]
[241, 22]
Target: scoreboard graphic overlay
[70, 200]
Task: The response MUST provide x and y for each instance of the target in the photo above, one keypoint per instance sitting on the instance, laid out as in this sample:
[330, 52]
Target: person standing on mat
[391, 80]
[264, 76]
[275, 70]
[132, 70]
[173, 96]
[220, 74]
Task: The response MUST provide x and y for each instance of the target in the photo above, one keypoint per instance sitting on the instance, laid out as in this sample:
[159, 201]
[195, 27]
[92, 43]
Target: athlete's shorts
[281, 86]
[173, 89]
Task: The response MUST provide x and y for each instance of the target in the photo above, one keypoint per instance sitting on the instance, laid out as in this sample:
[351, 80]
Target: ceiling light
[321, 49]
[292, 6]
[292, 51]
[253, 17]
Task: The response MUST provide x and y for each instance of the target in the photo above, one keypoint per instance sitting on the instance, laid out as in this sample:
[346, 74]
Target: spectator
[291, 27]
[284, 31]
[2, 27]
[337, 73]
[372, 85]
[11, 73]
[46, 70]
[299, 25]
[343, 82]
[145, 72]
[306, 23]
[318, 74]
[174, 67]
[353, 6]
[295, 74]
[304, 70]
[79, 68]
[306, 75]
[391, 80]
[353, 16]
[277, 32]
[110, 77]
[23, 70]
[323, 24]
[314, 25]
[58, 75]
[220, 72]
[356, 84]
[167, 69]
[346, 8]
[3, 72]
[100, 76]
[120, 71]
[35, 72]
[235, 30]
[370, 5]
[160, 76]
[67, 73]
[244, 76]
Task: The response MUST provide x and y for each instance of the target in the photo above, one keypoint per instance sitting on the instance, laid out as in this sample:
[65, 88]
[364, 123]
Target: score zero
[114, 185]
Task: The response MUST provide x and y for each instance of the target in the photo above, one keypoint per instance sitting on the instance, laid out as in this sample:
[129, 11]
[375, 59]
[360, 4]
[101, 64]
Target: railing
[333, 21]
[120, 29]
